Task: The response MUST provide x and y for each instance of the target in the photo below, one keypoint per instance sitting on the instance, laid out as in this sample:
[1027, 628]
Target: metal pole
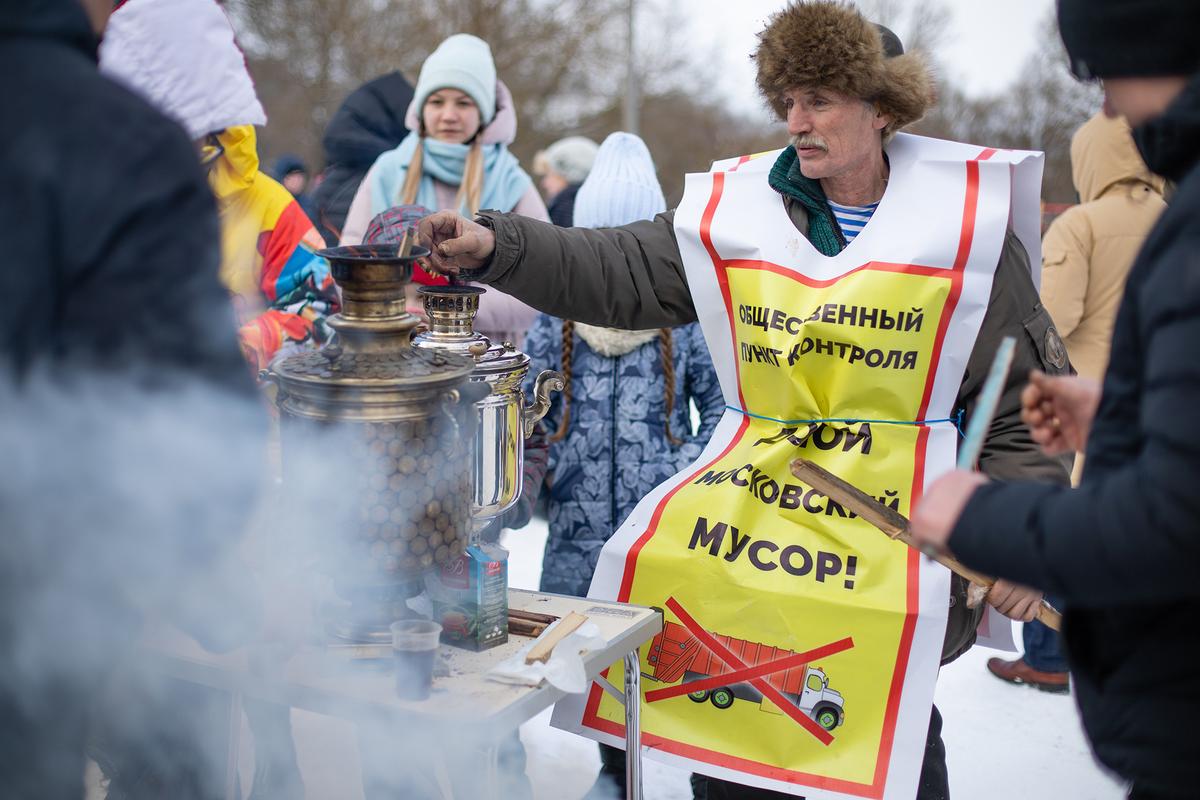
[633, 727]
[631, 81]
[234, 744]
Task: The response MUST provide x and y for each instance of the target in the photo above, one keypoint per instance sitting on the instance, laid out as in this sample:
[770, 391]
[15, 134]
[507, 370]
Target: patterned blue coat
[616, 449]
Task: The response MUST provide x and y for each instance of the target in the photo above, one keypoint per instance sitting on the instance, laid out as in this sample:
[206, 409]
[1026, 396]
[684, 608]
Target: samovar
[504, 421]
[405, 416]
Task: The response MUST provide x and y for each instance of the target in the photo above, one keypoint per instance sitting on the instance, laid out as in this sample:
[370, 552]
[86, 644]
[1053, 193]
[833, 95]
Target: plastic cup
[414, 644]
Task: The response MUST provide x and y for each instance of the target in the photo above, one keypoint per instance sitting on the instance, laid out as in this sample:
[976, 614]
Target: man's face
[832, 132]
[1140, 99]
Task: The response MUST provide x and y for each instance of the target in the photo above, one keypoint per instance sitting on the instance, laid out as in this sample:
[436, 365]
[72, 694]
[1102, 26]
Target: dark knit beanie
[1130, 38]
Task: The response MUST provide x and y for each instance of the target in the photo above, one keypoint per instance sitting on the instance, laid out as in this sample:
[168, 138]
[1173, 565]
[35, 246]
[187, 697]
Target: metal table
[464, 706]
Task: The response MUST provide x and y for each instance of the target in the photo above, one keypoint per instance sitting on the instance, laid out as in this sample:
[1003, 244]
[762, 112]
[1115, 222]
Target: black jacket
[1123, 549]
[370, 122]
[113, 251]
[130, 421]
[562, 207]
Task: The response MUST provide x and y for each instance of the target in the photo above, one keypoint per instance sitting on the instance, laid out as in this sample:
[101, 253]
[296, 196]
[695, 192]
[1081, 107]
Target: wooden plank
[545, 645]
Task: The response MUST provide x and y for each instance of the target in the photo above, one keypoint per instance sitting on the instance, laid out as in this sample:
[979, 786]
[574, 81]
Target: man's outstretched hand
[455, 242]
[1059, 411]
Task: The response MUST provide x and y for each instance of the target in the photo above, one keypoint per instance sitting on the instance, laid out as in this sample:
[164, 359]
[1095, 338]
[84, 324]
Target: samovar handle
[548, 381]
[462, 401]
[266, 376]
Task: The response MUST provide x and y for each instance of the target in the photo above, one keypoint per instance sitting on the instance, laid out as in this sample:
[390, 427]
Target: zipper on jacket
[612, 450]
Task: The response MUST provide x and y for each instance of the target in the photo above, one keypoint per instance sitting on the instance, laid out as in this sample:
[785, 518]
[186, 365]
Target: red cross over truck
[676, 654]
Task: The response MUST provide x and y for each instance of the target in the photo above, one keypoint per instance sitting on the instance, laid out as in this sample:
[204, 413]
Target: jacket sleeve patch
[1051, 349]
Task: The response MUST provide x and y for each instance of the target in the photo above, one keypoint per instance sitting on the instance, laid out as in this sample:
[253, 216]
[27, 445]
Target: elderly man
[870, 228]
[1121, 549]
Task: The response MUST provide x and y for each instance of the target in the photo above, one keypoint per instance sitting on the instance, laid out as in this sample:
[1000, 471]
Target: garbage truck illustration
[676, 654]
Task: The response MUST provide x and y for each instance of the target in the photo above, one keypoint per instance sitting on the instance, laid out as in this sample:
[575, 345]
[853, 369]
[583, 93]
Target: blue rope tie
[957, 420]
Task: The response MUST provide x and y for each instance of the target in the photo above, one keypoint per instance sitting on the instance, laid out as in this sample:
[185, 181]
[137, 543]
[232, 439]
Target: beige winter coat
[1087, 252]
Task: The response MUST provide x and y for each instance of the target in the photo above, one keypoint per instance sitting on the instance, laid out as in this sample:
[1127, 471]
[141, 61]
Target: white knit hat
[462, 62]
[572, 157]
[622, 186]
[181, 56]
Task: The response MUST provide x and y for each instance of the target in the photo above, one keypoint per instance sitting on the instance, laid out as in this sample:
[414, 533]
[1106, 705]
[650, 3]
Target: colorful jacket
[282, 290]
[616, 448]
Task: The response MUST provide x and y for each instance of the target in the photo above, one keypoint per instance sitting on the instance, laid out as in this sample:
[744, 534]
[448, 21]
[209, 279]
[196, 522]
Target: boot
[1019, 672]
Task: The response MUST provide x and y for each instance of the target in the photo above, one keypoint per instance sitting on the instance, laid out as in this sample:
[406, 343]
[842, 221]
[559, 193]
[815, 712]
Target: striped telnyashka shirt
[852, 219]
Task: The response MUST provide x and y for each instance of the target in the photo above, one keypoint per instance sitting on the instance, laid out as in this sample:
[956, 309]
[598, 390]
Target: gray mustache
[809, 141]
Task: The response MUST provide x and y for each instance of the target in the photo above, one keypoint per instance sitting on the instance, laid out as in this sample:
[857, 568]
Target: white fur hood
[610, 342]
[181, 56]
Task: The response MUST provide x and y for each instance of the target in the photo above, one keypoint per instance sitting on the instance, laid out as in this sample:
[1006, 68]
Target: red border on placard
[721, 266]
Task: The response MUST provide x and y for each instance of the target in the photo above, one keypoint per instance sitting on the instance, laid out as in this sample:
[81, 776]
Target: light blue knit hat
[622, 186]
[462, 62]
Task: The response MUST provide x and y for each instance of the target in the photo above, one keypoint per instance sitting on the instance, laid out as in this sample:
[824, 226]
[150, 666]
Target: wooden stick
[406, 243]
[545, 645]
[895, 525]
[523, 627]
[531, 616]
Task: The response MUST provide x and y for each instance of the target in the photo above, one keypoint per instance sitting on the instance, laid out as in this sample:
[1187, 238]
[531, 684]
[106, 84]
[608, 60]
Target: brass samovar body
[404, 415]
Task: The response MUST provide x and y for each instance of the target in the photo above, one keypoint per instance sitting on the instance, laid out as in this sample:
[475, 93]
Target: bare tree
[1040, 111]
[561, 60]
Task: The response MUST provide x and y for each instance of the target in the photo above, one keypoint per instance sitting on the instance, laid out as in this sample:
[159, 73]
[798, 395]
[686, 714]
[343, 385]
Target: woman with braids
[455, 157]
[623, 423]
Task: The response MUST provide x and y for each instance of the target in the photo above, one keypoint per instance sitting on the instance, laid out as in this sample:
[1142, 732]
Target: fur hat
[572, 158]
[829, 44]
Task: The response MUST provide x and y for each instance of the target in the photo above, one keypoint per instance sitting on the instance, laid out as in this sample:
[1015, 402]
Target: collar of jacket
[610, 342]
[61, 20]
[237, 168]
[787, 179]
[1170, 143]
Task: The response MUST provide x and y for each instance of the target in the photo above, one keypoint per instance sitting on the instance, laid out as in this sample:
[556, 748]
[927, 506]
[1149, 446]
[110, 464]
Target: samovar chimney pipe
[373, 317]
[451, 311]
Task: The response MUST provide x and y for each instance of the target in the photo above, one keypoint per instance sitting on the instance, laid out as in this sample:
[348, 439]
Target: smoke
[134, 502]
[116, 492]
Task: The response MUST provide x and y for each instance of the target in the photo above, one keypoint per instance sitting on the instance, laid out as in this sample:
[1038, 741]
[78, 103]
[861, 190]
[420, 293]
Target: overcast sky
[984, 50]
